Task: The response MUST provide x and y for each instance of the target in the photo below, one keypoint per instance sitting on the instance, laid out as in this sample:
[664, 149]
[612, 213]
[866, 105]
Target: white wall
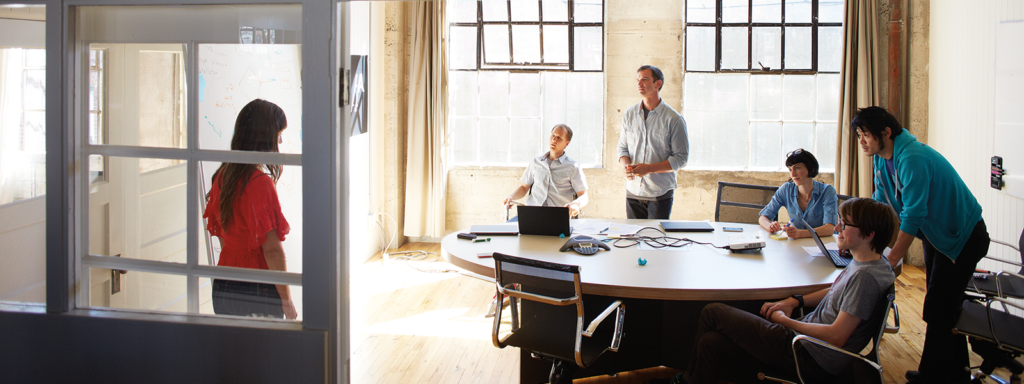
[961, 105]
[22, 33]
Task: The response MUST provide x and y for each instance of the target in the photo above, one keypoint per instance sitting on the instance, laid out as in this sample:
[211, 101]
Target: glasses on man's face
[842, 225]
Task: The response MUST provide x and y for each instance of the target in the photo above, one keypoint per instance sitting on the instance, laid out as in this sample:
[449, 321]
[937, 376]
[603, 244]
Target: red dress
[256, 212]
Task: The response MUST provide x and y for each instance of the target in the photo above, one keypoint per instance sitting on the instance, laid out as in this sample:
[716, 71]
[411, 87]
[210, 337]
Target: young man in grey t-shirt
[729, 340]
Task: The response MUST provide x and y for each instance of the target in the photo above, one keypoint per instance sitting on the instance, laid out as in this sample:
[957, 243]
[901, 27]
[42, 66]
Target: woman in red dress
[244, 213]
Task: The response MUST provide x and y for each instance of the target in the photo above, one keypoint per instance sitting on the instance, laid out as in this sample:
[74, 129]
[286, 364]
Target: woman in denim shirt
[804, 198]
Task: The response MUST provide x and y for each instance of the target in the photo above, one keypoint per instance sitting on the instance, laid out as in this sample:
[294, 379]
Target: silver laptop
[838, 259]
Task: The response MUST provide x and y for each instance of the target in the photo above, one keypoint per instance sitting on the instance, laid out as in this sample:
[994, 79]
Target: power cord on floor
[414, 256]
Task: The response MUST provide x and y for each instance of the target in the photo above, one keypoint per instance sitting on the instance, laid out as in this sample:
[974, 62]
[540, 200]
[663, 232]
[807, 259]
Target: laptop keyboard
[839, 260]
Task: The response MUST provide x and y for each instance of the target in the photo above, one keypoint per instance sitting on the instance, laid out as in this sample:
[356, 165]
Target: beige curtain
[859, 89]
[427, 129]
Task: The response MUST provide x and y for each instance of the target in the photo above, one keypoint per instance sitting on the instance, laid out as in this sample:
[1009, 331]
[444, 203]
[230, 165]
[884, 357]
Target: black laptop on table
[545, 221]
[838, 259]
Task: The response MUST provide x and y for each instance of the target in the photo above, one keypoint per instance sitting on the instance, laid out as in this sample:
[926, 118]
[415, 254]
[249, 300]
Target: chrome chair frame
[516, 294]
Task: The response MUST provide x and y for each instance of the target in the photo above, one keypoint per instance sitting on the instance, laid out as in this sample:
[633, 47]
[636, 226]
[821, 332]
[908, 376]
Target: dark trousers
[732, 344]
[660, 208]
[242, 298]
[945, 355]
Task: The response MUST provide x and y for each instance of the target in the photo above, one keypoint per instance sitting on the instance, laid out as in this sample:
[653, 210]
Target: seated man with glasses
[804, 198]
[848, 314]
[559, 179]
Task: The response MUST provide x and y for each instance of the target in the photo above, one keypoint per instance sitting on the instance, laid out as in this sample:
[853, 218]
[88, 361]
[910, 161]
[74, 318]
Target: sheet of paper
[814, 251]
[604, 228]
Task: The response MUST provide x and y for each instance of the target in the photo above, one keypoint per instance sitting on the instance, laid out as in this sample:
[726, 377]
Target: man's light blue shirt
[662, 136]
[820, 210]
[553, 182]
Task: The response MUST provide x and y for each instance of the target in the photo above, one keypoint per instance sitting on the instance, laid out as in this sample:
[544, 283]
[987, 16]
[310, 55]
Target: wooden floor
[414, 323]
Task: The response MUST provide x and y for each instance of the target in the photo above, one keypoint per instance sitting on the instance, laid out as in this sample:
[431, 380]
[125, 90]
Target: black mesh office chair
[742, 203]
[547, 316]
[865, 368]
[995, 335]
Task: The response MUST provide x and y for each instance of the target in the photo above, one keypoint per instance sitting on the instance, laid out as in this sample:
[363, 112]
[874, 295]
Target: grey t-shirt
[860, 291]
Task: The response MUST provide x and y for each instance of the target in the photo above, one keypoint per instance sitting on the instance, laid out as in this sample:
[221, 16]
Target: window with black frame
[517, 68]
[761, 79]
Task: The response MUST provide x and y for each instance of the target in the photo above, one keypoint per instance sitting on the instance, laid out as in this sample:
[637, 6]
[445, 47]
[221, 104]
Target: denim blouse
[820, 210]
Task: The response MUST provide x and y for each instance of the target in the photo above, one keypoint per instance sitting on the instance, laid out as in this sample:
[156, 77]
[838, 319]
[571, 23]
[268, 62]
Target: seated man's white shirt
[554, 182]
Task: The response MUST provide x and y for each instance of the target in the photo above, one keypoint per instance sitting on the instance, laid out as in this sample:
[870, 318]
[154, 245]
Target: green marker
[482, 240]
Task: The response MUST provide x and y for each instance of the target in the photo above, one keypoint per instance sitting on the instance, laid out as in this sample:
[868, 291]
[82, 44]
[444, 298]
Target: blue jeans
[660, 208]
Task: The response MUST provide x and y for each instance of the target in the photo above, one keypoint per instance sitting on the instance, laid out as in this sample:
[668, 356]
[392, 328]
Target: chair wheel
[562, 372]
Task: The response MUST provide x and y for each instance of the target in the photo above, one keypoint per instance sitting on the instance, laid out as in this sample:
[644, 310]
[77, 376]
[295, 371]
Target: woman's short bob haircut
[802, 156]
[870, 216]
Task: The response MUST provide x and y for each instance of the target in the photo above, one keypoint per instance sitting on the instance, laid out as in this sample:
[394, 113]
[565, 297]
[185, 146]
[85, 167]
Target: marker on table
[481, 240]
[604, 230]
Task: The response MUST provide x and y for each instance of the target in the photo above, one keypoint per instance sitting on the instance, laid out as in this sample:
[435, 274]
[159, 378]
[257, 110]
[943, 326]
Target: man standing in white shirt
[652, 146]
[556, 176]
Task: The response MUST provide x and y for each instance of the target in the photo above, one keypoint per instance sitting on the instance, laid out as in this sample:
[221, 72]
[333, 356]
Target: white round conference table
[694, 272]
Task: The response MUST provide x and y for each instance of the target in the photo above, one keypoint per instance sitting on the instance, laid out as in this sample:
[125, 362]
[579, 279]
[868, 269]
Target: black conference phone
[584, 245]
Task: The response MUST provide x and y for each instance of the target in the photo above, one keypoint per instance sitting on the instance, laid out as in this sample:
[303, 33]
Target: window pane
[700, 48]
[139, 215]
[23, 166]
[735, 11]
[588, 11]
[462, 11]
[555, 98]
[462, 49]
[556, 10]
[798, 48]
[496, 43]
[830, 11]
[161, 100]
[495, 10]
[734, 47]
[494, 139]
[556, 44]
[255, 71]
[716, 114]
[766, 47]
[206, 289]
[828, 97]
[767, 11]
[525, 11]
[525, 94]
[289, 195]
[495, 102]
[526, 43]
[462, 93]
[797, 135]
[798, 11]
[527, 140]
[766, 97]
[585, 116]
[826, 147]
[138, 290]
[765, 145]
[830, 49]
[463, 140]
[588, 45]
[700, 11]
[798, 97]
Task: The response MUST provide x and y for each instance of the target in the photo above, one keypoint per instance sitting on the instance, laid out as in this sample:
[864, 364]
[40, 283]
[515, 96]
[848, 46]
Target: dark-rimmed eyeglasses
[842, 225]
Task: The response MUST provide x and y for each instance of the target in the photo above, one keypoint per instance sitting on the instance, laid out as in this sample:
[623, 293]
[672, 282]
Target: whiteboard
[232, 75]
[1009, 104]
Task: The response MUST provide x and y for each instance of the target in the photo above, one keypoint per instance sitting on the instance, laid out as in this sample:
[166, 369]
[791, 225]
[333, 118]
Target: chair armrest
[1007, 302]
[1006, 244]
[821, 343]
[999, 286]
[896, 319]
[597, 321]
[1004, 261]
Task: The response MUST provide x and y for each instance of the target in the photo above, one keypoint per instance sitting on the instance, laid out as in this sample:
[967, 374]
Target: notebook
[687, 226]
[840, 261]
[544, 221]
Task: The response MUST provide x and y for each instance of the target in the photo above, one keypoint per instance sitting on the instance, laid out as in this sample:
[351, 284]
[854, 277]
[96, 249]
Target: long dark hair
[257, 128]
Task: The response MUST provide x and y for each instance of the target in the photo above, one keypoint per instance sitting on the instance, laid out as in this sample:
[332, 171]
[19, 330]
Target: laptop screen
[546, 221]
